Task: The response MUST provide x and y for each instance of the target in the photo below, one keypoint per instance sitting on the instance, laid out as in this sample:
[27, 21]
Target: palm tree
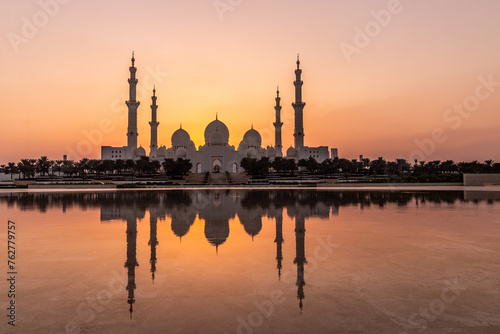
[27, 167]
[11, 169]
[379, 166]
[58, 166]
[42, 165]
[120, 165]
[403, 165]
[108, 166]
[83, 166]
[130, 164]
[68, 167]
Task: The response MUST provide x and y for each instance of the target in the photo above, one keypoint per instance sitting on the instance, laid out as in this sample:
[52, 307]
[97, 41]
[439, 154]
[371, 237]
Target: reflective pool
[253, 261]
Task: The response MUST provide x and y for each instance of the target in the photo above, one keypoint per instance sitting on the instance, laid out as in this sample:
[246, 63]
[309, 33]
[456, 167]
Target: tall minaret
[298, 106]
[277, 126]
[132, 105]
[154, 126]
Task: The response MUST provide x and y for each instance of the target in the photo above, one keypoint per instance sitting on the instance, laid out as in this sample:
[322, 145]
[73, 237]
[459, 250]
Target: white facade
[121, 153]
[216, 155]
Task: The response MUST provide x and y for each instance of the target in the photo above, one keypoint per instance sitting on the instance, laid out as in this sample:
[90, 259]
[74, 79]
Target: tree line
[366, 167]
[29, 168]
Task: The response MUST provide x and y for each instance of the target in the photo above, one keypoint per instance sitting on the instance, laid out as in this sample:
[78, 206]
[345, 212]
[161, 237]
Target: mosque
[216, 155]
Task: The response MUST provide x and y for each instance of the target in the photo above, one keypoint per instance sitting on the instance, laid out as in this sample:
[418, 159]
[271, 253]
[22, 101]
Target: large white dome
[180, 138]
[253, 138]
[216, 126]
[216, 138]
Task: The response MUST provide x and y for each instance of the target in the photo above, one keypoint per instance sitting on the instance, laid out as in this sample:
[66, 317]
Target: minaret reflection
[279, 242]
[131, 262]
[153, 241]
[300, 256]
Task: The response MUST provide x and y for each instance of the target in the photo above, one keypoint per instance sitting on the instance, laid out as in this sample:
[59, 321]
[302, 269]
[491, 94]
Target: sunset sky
[380, 77]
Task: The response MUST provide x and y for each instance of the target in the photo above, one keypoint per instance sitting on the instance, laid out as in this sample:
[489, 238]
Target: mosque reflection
[217, 207]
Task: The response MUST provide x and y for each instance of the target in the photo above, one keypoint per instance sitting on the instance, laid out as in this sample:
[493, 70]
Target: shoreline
[340, 187]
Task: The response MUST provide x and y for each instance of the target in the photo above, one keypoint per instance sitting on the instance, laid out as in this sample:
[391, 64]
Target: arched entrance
[235, 168]
[198, 168]
[216, 165]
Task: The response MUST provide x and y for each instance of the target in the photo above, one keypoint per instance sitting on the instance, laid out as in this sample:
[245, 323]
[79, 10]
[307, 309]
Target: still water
[253, 261]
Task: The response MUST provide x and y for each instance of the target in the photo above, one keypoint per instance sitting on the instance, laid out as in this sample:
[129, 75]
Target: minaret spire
[298, 106]
[132, 105]
[154, 126]
[277, 125]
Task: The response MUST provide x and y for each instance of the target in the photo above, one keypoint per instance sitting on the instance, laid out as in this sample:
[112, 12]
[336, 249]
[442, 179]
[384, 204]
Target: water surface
[255, 261]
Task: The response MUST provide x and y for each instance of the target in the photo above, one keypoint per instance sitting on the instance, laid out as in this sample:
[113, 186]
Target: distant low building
[335, 153]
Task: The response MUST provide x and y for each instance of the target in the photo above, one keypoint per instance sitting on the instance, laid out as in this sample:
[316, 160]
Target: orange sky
[64, 70]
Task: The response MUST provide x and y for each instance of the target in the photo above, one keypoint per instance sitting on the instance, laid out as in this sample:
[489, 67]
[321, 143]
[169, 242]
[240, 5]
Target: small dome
[181, 152]
[216, 231]
[180, 138]
[141, 152]
[252, 223]
[252, 153]
[271, 152]
[291, 152]
[216, 138]
[191, 143]
[162, 152]
[243, 145]
[181, 222]
[213, 127]
[253, 138]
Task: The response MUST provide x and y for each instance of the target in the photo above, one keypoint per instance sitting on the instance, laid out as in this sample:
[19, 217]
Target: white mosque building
[216, 155]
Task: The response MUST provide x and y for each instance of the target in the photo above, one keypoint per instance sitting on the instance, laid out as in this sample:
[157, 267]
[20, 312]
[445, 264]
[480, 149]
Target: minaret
[277, 126]
[131, 262]
[279, 242]
[300, 256]
[298, 106]
[132, 105]
[153, 242]
[154, 126]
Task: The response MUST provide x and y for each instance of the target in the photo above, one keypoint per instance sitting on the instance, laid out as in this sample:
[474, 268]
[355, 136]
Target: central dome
[216, 126]
[216, 138]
